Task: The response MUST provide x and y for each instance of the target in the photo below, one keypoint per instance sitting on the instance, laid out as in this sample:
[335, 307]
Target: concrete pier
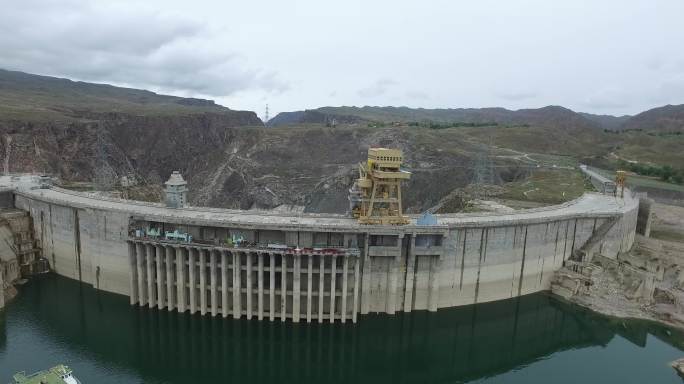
[160, 256]
[321, 286]
[225, 310]
[133, 285]
[237, 287]
[309, 286]
[141, 273]
[214, 283]
[192, 279]
[271, 287]
[202, 269]
[296, 286]
[170, 278]
[283, 287]
[250, 308]
[181, 279]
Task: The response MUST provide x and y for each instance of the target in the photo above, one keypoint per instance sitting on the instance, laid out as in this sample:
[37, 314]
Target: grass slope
[29, 97]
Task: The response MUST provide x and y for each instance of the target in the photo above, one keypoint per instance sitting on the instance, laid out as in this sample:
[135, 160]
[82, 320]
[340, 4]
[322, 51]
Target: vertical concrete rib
[321, 285]
[151, 283]
[260, 286]
[224, 283]
[133, 272]
[333, 281]
[433, 299]
[237, 271]
[271, 287]
[366, 285]
[392, 296]
[283, 288]
[410, 276]
[170, 301]
[309, 287]
[192, 280]
[213, 282]
[161, 281]
[181, 279]
[248, 258]
[140, 261]
[296, 284]
[355, 308]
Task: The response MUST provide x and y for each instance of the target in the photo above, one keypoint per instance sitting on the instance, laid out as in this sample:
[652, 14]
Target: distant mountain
[551, 116]
[286, 118]
[607, 121]
[314, 116]
[30, 97]
[669, 118]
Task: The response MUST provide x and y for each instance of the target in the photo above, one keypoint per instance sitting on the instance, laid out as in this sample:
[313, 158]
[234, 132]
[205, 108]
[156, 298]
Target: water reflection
[452, 345]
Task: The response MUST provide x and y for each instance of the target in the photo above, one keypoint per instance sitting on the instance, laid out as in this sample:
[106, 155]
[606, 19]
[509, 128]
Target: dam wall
[329, 268]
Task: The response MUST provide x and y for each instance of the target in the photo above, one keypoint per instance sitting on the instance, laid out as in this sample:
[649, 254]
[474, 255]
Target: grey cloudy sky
[607, 56]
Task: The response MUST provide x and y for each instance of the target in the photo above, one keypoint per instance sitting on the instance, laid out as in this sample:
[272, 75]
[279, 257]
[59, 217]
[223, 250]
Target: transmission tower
[266, 115]
[483, 171]
[104, 174]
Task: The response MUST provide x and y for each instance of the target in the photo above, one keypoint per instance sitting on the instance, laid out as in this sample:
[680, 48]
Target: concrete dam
[312, 267]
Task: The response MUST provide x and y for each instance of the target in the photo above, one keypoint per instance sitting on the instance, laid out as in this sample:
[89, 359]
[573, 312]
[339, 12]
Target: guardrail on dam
[332, 268]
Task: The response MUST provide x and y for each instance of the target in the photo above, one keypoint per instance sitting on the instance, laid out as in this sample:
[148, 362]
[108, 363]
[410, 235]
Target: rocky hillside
[302, 160]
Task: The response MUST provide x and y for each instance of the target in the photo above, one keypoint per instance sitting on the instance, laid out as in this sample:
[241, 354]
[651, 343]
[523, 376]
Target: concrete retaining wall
[88, 245]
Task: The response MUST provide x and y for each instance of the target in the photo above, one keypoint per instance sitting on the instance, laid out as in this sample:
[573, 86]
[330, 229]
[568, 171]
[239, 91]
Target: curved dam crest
[341, 269]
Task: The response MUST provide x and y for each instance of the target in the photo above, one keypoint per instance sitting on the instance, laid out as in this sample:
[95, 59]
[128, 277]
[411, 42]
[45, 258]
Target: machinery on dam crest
[314, 267]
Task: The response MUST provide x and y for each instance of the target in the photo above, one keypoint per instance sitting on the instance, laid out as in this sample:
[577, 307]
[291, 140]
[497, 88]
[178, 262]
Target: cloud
[417, 95]
[608, 98]
[378, 88]
[516, 96]
[670, 90]
[137, 46]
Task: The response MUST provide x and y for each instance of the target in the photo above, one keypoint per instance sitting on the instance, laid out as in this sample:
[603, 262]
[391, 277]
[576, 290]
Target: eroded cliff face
[229, 161]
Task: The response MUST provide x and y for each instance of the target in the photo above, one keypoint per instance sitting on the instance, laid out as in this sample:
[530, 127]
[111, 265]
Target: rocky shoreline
[646, 283]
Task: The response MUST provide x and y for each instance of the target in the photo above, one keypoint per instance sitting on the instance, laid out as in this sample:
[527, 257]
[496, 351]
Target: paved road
[589, 205]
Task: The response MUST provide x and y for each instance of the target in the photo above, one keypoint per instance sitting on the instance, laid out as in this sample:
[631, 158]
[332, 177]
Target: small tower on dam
[375, 197]
[176, 191]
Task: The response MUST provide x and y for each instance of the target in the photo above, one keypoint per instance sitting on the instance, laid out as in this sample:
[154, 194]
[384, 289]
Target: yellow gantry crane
[375, 197]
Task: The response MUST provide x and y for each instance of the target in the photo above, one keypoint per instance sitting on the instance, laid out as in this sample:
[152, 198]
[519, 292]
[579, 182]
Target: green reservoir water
[534, 339]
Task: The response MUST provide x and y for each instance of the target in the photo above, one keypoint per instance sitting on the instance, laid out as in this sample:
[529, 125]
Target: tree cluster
[664, 172]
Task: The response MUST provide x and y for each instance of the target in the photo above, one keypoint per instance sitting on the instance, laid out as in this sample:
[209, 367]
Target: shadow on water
[452, 345]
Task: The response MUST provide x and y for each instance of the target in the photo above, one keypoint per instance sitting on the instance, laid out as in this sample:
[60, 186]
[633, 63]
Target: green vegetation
[621, 131]
[549, 186]
[665, 134]
[441, 125]
[460, 124]
[643, 181]
[651, 148]
[665, 172]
